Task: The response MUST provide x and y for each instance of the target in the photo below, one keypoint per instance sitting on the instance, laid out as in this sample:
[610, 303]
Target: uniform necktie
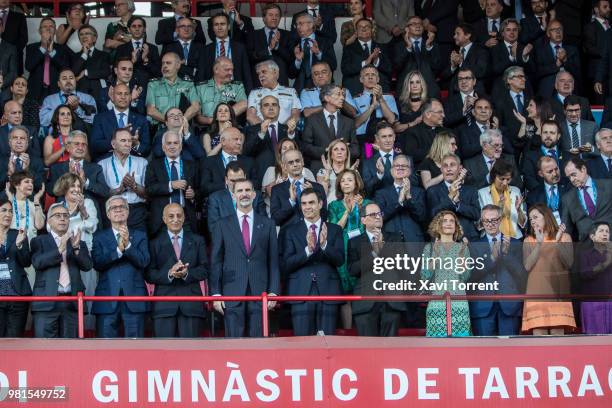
[185, 51]
[366, 49]
[137, 43]
[47, 69]
[176, 247]
[519, 104]
[307, 56]
[246, 235]
[273, 136]
[121, 121]
[270, 36]
[332, 127]
[462, 55]
[313, 12]
[575, 138]
[541, 21]
[490, 163]
[588, 201]
[176, 194]
[118, 238]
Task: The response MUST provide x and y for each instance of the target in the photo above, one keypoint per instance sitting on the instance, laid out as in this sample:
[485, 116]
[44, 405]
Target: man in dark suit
[170, 179]
[312, 252]
[120, 255]
[594, 41]
[310, 46]
[453, 195]
[244, 262]
[91, 66]
[58, 258]
[94, 185]
[143, 54]
[362, 52]
[403, 204]
[417, 140]
[271, 42]
[376, 171]
[178, 265]
[600, 167]
[16, 257]
[588, 202]
[487, 30]
[323, 127]
[323, 19]
[515, 97]
[550, 134]
[459, 106]
[564, 87]
[17, 158]
[479, 167]
[533, 25]
[121, 116]
[262, 138]
[418, 52]
[212, 169]
[508, 52]
[185, 46]
[440, 17]
[240, 26]
[578, 136]
[469, 55]
[502, 268]
[8, 63]
[44, 61]
[221, 203]
[15, 31]
[284, 200]
[551, 56]
[223, 46]
[550, 190]
[374, 318]
[13, 114]
[123, 73]
[166, 28]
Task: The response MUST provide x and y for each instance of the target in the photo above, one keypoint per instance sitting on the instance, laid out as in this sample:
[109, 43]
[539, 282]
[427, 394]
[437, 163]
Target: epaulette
[310, 89]
[237, 82]
[202, 82]
[155, 79]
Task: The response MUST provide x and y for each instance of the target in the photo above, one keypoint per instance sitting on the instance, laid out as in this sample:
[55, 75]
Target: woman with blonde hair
[336, 160]
[444, 262]
[444, 143]
[411, 100]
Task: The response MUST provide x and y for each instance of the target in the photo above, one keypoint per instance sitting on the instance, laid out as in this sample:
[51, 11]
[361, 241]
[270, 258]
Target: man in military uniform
[219, 89]
[311, 102]
[290, 106]
[171, 92]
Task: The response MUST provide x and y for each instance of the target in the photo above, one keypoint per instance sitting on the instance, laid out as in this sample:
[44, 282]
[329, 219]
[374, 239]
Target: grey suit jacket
[575, 217]
[389, 13]
[8, 63]
[587, 135]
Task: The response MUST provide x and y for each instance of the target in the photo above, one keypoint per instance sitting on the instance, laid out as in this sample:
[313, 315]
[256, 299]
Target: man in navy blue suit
[503, 264]
[601, 165]
[120, 117]
[376, 170]
[120, 255]
[312, 252]
[552, 187]
[244, 262]
[403, 204]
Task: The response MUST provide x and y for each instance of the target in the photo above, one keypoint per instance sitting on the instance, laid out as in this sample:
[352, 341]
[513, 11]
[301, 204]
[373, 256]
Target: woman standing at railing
[14, 258]
[548, 256]
[445, 265]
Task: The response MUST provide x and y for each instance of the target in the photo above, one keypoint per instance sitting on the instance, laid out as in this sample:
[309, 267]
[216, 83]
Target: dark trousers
[311, 317]
[496, 323]
[62, 322]
[243, 314]
[13, 317]
[381, 321]
[107, 325]
[185, 326]
[138, 217]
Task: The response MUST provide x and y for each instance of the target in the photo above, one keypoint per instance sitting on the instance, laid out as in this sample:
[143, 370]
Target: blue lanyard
[115, 168]
[168, 169]
[27, 213]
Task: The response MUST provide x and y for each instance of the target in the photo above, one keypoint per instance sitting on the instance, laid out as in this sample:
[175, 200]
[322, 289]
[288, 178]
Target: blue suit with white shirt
[105, 124]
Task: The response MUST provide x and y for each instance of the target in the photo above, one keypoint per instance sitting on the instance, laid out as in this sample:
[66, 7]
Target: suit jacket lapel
[258, 228]
[238, 232]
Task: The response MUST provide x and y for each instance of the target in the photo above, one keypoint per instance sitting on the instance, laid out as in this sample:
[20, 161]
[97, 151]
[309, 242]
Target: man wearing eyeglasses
[402, 202]
[578, 135]
[186, 47]
[58, 258]
[503, 269]
[417, 140]
[90, 65]
[374, 318]
[166, 29]
[458, 107]
[120, 254]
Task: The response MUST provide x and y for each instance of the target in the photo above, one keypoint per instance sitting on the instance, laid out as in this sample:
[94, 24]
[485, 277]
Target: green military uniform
[164, 95]
[211, 96]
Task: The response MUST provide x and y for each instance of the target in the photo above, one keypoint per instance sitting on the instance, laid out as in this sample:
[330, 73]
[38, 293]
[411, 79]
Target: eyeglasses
[60, 215]
[117, 208]
[401, 166]
[175, 116]
[491, 221]
[465, 78]
[519, 76]
[496, 145]
[379, 214]
[572, 110]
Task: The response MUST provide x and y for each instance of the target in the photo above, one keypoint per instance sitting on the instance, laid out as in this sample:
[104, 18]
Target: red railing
[447, 297]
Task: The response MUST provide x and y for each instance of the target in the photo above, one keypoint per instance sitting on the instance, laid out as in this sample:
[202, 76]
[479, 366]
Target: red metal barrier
[264, 298]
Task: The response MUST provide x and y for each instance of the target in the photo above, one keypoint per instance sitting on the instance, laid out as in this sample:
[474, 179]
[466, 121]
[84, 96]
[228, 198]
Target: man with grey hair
[90, 65]
[478, 167]
[120, 254]
[290, 105]
[221, 88]
[514, 98]
[185, 47]
[171, 179]
[18, 158]
[601, 165]
[13, 114]
[212, 169]
[564, 87]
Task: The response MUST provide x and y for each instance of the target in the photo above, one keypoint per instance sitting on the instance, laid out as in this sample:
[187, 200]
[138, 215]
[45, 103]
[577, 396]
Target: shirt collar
[604, 157]
[317, 223]
[171, 160]
[180, 235]
[54, 235]
[249, 215]
[301, 179]
[183, 42]
[508, 44]
[126, 113]
[486, 158]
[589, 182]
[553, 45]
[382, 154]
[569, 124]
[226, 155]
[467, 47]
[498, 237]
[370, 235]
[513, 94]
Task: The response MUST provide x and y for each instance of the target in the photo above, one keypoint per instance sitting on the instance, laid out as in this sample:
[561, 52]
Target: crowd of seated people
[181, 166]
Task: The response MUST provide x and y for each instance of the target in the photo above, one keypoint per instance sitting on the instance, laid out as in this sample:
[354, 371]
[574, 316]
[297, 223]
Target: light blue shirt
[51, 102]
[309, 98]
[363, 103]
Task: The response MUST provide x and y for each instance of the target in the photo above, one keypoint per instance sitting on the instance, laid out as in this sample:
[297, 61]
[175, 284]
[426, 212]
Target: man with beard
[551, 187]
[550, 135]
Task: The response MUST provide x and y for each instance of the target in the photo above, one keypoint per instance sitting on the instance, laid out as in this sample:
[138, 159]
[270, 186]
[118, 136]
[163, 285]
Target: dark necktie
[493, 242]
[19, 164]
[557, 47]
[494, 27]
[387, 163]
[298, 189]
[270, 36]
[185, 51]
[417, 46]
[332, 128]
[273, 136]
[575, 138]
[176, 194]
[307, 56]
[541, 21]
[554, 199]
[519, 103]
[222, 48]
[588, 201]
[468, 114]
[462, 56]
[609, 166]
[246, 235]
[313, 12]
[366, 50]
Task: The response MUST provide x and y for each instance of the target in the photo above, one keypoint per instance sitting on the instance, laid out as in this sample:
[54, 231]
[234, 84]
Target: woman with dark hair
[223, 117]
[506, 197]
[548, 256]
[538, 111]
[54, 145]
[444, 262]
[14, 258]
[596, 279]
[29, 106]
[348, 33]
[75, 18]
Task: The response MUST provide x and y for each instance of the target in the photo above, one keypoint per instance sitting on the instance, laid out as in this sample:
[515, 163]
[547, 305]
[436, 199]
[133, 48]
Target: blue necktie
[298, 189]
[519, 104]
[185, 51]
[554, 199]
[18, 164]
[176, 194]
[121, 121]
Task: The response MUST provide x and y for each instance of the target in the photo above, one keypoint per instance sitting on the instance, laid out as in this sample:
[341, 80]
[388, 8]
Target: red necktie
[313, 232]
[222, 49]
[246, 236]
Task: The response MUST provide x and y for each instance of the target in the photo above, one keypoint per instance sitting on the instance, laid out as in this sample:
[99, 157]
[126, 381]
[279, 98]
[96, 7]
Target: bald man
[13, 114]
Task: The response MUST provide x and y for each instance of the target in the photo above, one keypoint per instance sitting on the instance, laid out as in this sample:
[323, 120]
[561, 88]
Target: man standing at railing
[120, 255]
[58, 258]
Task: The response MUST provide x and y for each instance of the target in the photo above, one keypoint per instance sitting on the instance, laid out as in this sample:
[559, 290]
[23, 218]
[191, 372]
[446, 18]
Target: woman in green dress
[444, 263]
[345, 212]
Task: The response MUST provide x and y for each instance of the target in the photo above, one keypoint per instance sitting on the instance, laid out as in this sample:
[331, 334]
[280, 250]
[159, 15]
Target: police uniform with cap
[211, 95]
[287, 99]
[164, 95]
